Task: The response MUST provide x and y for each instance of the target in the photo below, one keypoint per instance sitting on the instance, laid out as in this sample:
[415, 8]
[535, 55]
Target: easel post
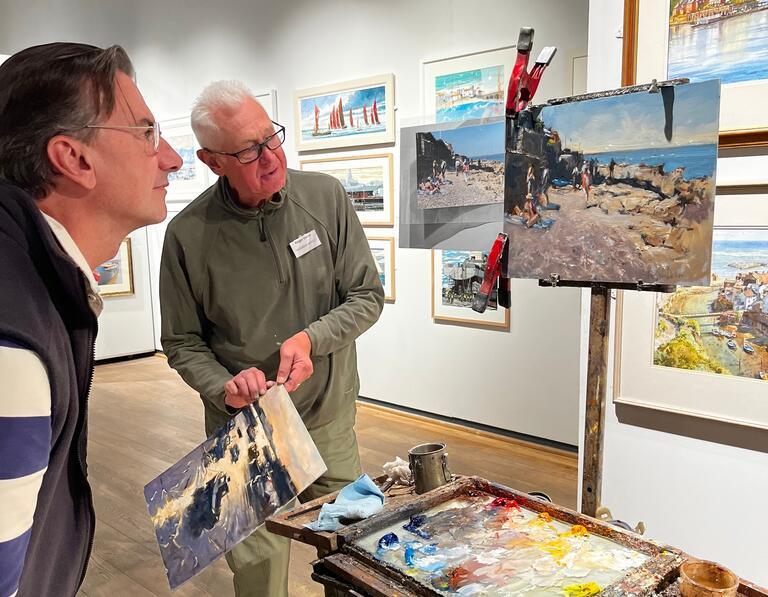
[597, 375]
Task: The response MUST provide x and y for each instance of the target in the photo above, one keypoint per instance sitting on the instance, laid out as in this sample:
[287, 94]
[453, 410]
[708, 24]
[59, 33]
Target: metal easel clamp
[654, 88]
[554, 280]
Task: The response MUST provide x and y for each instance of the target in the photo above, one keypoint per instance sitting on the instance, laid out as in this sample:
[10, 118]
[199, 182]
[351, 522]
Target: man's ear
[73, 160]
[210, 160]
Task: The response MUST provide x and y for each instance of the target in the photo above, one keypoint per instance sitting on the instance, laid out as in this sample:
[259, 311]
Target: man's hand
[245, 388]
[295, 364]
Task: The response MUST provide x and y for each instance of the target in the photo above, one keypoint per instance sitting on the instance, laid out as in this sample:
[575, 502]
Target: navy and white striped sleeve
[25, 446]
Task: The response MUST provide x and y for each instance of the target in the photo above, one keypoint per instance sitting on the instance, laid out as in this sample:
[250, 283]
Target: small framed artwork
[467, 86]
[369, 183]
[383, 250]
[456, 279]
[698, 40]
[192, 178]
[268, 101]
[115, 276]
[348, 114]
[702, 350]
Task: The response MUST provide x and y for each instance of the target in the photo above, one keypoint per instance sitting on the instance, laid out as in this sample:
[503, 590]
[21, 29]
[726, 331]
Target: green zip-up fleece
[231, 291]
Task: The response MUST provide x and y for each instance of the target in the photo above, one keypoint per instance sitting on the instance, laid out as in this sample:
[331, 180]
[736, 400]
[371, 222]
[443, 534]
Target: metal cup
[429, 465]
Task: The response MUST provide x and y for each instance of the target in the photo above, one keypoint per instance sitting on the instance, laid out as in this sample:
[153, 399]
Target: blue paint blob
[389, 541]
[409, 553]
[417, 520]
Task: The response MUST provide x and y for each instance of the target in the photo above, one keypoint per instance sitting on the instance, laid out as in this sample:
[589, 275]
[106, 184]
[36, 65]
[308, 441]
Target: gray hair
[226, 95]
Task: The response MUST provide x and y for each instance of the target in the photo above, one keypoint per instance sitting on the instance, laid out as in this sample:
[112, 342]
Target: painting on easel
[616, 189]
[222, 491]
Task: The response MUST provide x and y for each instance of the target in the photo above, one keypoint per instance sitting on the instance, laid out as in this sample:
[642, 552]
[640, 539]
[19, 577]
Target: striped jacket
[47, 330]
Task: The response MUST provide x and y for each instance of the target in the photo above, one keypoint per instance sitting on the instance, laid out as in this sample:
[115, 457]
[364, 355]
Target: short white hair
[219, 95]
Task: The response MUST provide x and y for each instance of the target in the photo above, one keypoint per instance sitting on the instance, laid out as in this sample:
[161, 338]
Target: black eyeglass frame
[278, 134]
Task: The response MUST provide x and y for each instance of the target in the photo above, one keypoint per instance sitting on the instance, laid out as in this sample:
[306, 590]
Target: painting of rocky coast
[618, 189]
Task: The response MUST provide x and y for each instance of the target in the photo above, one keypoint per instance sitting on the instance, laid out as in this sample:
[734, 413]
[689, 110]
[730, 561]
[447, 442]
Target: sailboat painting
[347, 114]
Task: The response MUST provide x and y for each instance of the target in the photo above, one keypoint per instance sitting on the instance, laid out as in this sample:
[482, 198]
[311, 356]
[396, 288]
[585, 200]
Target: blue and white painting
[223, 490]
[718, 39]
[618, 189]
[348, 113]
[476, 93]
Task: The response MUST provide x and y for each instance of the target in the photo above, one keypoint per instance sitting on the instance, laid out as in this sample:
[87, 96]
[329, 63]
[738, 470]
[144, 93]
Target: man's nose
[169, 160]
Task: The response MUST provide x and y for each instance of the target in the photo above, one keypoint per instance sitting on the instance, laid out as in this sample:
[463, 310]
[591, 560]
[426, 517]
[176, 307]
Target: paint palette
[492, 546]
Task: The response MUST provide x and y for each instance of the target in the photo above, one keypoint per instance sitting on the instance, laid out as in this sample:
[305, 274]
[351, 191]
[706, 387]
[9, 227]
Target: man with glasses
[82, 165]
[267, 277]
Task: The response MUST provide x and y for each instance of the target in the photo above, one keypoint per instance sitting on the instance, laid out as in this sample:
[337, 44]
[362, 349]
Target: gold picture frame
[640, 32]
[115, 276]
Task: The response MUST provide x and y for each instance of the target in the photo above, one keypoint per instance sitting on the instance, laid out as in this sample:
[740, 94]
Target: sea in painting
[476, 93]
[721, 328]
[184, 145]
[460, 167]
[463, 273]
[223, 490]
[353, 112]
[364, 186]
[481, 545]
[722, 39]
[618, 189]
[380, 257]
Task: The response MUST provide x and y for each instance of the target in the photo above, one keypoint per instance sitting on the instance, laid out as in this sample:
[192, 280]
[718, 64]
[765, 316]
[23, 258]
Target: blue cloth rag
[360, 499]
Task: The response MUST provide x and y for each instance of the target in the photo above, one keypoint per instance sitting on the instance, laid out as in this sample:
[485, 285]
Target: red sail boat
[334, 119]
[374, 114]
[351, 120]
[317, 116]
[340, 113]
[365, 114]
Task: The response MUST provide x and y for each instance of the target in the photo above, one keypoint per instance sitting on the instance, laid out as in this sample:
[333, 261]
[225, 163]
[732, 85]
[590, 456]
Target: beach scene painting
[721, 328]
[368, 182]
[383, 251]
[480, 544]
[456, 279]
[718, 39]
[224, 489]
[460, 167]
[618, 189]
[353, 113]
[476, 93]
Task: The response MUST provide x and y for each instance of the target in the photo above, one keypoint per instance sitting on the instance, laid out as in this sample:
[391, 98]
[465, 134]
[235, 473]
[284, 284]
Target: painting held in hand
[222, 491]
[721, 328]
[480, 544]
[616, 189]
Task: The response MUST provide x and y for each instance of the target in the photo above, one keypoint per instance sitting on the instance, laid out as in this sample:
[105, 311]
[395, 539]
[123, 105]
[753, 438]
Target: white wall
[525, 380]
[699, 485]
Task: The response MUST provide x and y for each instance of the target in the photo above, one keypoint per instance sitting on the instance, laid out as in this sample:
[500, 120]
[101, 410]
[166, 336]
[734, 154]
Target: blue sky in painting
[475, 141]
[352, 99]
[636, 121]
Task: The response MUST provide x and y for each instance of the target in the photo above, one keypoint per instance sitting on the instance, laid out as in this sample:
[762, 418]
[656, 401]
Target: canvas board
[618, 189]
[224, 489]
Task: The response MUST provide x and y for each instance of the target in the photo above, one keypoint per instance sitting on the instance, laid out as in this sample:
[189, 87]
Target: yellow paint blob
[583, 590]
[545, 516]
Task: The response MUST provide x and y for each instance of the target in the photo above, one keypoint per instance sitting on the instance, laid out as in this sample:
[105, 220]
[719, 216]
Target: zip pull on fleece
[263, 236]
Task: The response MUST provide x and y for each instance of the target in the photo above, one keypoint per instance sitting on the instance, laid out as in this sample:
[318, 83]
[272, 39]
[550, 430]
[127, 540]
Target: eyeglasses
[152, 134]
[253, 152]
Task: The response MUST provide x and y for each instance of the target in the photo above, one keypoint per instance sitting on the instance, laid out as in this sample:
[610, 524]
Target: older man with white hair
[267, 277]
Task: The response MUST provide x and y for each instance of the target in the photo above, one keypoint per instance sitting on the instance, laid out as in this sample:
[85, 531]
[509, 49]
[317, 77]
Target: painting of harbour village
[721, 328]
[476, 93]
[617, 189]
[223, 490]
[718, 39]
[460, 167]
[463, 273]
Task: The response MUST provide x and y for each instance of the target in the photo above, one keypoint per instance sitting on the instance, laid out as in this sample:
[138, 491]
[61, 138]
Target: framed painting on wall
[367, 179]
[115, 276]
[702, 351]
[456, 279]
[348, 114]
[467, 86]
[383, 250]
[192, 178]
[268, 100]
[699, 40]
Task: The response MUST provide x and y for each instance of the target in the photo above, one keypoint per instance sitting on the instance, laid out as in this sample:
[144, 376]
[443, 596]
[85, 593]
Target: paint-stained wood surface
[143, 418]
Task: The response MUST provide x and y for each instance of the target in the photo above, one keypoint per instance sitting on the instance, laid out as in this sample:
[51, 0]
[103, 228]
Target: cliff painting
[224, 489]
[618, 189]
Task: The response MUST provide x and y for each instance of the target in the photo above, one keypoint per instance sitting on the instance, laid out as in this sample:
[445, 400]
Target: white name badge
[305, 243]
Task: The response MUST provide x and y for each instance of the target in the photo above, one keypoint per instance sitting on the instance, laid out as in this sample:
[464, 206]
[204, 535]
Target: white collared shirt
[70, 248]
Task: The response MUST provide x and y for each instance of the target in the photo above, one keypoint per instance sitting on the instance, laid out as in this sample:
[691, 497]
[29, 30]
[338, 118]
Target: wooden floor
[143, 418]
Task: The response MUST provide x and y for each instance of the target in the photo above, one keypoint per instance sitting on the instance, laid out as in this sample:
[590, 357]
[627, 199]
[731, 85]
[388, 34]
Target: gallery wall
[678, 474]
[525, 379]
